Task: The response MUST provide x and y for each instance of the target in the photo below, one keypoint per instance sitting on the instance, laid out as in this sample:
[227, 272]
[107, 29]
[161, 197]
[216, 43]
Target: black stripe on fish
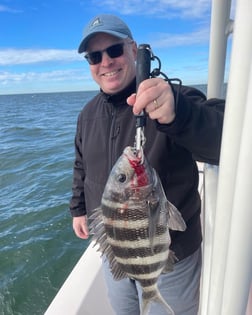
[126, 234]
[140, 251]
[119, 213]
[122, 234]
[148, 282]
[141, 269]
[149, 294]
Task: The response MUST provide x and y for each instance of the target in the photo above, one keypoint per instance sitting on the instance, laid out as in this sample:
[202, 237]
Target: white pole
[238, 274]
[230, 198]
[220, 27]
[239, 260]
[218, 43]
[208, 218]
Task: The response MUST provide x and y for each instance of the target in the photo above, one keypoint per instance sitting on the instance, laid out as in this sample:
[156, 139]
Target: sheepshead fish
[131, 227]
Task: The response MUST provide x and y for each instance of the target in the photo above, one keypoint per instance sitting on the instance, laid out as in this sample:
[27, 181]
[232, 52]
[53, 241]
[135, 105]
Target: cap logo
[96, 22]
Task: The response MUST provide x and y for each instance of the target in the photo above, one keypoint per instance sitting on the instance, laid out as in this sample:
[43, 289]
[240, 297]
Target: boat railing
[227, 263]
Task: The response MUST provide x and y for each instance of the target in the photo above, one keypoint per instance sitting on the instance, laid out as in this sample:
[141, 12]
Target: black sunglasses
[113, 51]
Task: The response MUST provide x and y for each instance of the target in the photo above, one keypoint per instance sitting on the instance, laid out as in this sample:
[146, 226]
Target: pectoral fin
[175, 220]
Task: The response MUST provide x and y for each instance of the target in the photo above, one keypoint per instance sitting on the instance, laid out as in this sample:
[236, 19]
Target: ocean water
[38, 247]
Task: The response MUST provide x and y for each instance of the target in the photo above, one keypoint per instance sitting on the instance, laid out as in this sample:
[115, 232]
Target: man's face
[113, 74]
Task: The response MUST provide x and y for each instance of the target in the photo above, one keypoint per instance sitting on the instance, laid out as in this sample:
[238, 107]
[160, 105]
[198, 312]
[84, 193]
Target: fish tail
[156, 297]
[144, 307]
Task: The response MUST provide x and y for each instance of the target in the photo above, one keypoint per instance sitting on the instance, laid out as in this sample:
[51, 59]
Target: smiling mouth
[111, 74]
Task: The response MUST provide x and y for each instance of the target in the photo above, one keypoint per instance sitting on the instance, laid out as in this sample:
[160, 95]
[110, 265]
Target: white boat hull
[84, 291]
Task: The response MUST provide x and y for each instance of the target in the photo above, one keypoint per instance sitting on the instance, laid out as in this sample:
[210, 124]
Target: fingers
[131, 99]
[156, 98]
[80, 227]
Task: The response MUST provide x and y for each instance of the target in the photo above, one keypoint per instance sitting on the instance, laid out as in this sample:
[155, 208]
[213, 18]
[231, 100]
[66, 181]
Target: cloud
[45, 81]
[161, 8]
[54, 75]
[4, 8]
[163, 40]
[29, 56]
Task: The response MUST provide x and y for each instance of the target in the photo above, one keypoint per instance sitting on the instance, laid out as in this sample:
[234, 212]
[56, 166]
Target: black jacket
[106, 125]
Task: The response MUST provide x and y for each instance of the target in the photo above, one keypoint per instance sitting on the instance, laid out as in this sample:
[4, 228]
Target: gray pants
[180, 289]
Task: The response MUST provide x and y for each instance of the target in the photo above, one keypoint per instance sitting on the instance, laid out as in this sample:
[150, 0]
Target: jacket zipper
[112, 137]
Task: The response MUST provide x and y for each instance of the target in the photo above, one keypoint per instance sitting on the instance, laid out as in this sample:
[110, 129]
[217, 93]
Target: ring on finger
[156, 105]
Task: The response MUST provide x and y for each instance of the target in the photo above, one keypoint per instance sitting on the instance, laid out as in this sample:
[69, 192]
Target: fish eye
[121, 178]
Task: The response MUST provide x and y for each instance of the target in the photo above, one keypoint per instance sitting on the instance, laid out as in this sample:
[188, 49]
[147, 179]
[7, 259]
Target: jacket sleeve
[197, 125]
[77, 202]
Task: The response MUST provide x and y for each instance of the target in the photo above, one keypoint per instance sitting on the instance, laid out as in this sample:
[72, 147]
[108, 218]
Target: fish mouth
[133, 155]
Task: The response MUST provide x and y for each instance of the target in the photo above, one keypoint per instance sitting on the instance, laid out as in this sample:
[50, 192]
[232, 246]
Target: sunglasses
[113, 51]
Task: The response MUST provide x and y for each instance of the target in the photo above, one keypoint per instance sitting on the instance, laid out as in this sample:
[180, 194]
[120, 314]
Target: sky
[39, 40]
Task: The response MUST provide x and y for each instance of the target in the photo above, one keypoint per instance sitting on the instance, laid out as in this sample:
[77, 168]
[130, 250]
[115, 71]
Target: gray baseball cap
[104, 23]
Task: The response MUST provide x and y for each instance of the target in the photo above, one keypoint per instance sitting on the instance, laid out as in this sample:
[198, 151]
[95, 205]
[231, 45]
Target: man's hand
[80, 227]
[156, 97]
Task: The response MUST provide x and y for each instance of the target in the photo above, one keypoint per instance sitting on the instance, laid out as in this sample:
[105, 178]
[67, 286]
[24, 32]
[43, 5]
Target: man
[176, 135]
